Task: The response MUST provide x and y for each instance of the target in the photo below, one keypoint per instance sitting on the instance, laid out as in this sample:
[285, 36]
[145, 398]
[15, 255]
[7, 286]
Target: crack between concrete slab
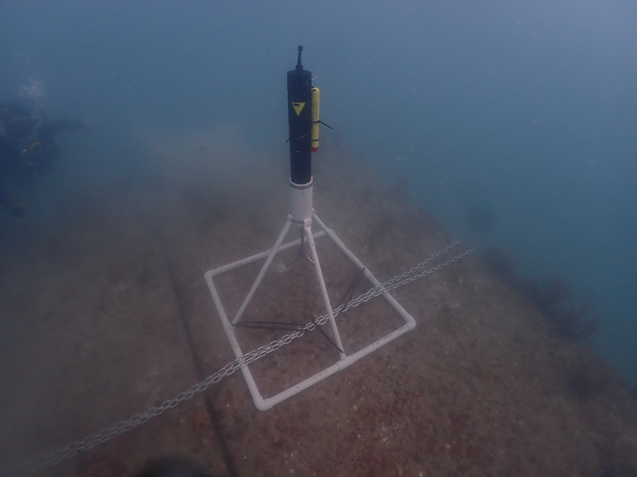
[214, 418]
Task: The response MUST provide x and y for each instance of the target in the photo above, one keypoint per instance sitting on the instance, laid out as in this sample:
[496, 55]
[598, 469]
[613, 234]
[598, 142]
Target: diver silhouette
[28, 148]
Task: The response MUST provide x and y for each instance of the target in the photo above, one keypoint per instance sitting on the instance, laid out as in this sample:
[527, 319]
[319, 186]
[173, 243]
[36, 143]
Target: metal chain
[421, 264]
[53, 458]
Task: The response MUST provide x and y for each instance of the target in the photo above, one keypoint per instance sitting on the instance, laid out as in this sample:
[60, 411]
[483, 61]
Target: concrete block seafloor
[106, 314]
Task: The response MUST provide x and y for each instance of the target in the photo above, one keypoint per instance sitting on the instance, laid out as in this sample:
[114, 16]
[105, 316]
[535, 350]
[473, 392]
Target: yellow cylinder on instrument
[316, 100]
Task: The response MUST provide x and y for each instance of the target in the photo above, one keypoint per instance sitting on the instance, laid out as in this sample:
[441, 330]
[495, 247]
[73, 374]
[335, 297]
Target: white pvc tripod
[302, 215]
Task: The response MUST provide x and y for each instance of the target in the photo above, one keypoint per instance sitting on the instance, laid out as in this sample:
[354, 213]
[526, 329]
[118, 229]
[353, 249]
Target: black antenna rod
[299, 66]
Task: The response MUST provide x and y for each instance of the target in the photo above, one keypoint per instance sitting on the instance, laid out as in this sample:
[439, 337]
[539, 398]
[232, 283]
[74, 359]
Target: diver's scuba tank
[20, 129]
[18, 123]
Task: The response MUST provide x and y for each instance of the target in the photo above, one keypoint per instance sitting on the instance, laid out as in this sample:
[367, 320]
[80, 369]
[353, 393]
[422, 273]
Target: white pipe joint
[301, 201]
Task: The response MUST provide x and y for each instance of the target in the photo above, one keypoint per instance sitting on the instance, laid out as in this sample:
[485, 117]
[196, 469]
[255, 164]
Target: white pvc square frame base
[345, 360]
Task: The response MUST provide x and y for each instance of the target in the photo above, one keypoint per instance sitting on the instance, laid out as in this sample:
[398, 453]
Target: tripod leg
[326, 298]
[264, 269]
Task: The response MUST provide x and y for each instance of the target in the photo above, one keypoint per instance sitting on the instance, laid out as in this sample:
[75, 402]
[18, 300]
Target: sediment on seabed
[105, 314]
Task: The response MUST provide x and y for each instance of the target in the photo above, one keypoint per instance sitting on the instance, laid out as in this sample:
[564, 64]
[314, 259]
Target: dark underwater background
[513, 122]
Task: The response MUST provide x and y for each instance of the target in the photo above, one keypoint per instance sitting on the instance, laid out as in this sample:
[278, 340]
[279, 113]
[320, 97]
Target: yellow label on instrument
[298, 107]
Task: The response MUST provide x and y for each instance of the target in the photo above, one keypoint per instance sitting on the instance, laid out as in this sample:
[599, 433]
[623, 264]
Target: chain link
[49, 460]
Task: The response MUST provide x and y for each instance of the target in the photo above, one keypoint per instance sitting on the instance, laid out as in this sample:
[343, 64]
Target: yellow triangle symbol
[298, 107]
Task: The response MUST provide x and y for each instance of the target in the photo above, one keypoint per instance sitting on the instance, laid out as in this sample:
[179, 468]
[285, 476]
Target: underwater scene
[345, 239]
